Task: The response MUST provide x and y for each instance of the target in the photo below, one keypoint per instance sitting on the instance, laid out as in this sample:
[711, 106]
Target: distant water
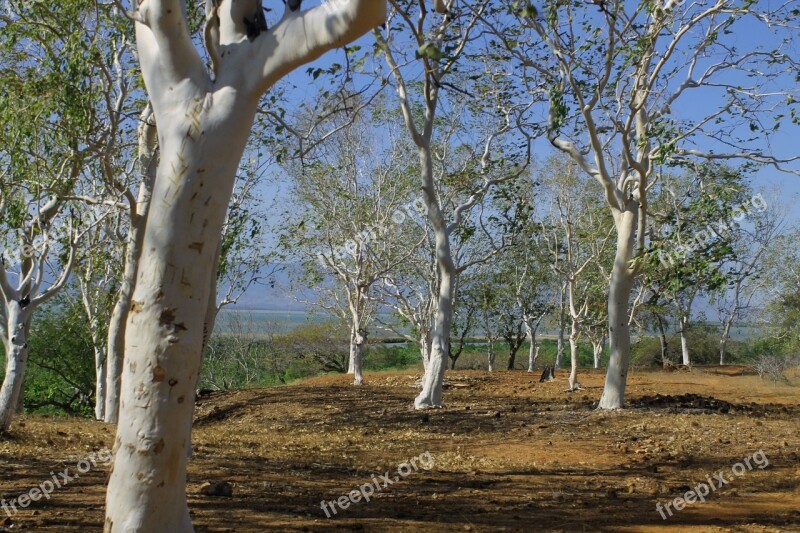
[261, 322]
[258, 322]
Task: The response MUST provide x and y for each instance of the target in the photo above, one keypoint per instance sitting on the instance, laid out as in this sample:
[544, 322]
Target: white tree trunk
[598, 353]
[16, 348]
[490, 354]
[165, 330]
[723, 342]
[100, 382]
[358, 344]
[573, 356]
[358, 376]
[433, 381]
[425, 342]
[203, 129]
[533, 349]
[619, 335]
[562, 325]
[351, 364]
[684, 320]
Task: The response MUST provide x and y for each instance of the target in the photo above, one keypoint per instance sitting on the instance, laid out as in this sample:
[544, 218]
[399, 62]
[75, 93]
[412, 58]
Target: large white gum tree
[204, 120]
[620, 78]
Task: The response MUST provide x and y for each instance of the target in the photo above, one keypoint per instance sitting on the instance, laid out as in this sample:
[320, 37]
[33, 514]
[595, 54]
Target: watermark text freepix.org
[679, 252]
[58, 480]
[377, 484]
[713, 483]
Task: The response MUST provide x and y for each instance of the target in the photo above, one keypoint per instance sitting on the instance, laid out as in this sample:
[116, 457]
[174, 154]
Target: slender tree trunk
[684, 320]
[433, 382]
[619, 335]
[359, 343]
[100, 381]
[351, 364]
[358, 378]
[533, 349]
[598, 353]
[562, 326]
[16, 348]
[573, 355]
[490, 354]
[119, 315]
[723, 342]
[662, 337]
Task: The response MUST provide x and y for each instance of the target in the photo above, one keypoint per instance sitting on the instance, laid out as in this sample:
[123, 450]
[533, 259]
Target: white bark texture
[619, 337]
[203, 127]
[573, 356]
[433, 381]
[597, 348]
[16, 349]
[687, 360]
[533, 351]
[100, 382]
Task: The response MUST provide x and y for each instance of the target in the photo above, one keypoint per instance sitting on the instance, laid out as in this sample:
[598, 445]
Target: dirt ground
[508, 454]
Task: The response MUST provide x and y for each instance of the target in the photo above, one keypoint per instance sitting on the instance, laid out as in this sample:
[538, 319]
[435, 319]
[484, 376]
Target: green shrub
[392, 357]
[61, 377]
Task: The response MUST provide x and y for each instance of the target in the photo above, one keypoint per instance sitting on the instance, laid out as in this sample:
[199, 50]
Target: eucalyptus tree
[48, 61]
[595, 319]
[203, 116]
[97, 270]
[424, 53]
[576, 233]
[747, 271]
[781, 298]
[352, 207]
[482, 292]
[410, 293]
[618, 81]
[692, 241]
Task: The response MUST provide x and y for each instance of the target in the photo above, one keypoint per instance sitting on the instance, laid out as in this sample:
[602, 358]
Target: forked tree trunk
[619, 335]
[597, 347]
[165, 329]
[16, 348]
[203, 129]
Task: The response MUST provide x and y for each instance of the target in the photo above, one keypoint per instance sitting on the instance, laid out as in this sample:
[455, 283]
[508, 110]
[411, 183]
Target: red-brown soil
[510, 454]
